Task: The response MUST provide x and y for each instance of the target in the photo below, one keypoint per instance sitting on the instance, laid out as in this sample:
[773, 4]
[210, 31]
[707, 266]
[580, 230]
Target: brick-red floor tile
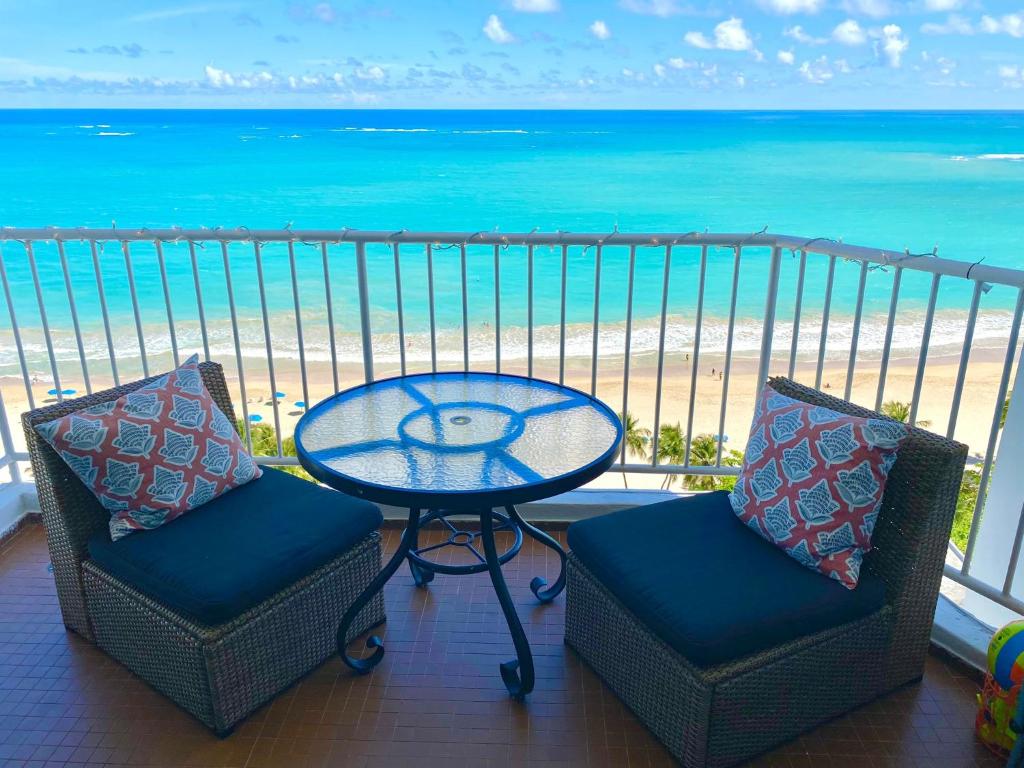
[436, 699]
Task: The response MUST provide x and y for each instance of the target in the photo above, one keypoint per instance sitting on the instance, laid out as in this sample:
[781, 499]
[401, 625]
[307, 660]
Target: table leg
[538, 584]
[404, 545]
[518, 674]
[421, 576]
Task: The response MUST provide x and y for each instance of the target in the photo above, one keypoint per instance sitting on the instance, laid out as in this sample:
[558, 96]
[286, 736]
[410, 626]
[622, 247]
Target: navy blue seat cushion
[709, 587]
[232, 553]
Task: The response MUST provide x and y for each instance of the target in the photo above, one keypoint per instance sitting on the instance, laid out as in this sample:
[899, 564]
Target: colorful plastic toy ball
[1006, 655]
[1000, 712]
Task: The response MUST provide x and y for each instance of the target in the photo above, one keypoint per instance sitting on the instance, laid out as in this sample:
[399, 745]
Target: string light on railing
[803, 246]
[606, 238]
[752, 235]
[985, 287]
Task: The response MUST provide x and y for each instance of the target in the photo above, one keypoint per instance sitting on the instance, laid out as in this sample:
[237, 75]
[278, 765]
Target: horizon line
[781, 110]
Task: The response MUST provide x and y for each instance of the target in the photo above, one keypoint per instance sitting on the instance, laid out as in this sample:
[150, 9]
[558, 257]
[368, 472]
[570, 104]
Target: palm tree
[896, 409]
[636, 438]
[1006, 407]
[703, 453]
[264, 443]
[671, 449]
[900, 411]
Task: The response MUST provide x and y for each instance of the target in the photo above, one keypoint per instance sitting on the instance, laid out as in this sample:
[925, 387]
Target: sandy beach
[972, 425]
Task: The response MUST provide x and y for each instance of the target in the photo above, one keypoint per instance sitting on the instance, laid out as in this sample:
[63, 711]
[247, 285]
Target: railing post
[364, 310]
[769, 315]
[7, 443]
[996, 551]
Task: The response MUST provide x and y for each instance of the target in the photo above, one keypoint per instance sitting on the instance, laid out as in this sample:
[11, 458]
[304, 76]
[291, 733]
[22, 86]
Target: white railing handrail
[828, 253]
[928, 262]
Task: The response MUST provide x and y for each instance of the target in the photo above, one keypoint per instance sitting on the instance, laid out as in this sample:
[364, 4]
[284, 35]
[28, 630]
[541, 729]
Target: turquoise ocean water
[893, 180]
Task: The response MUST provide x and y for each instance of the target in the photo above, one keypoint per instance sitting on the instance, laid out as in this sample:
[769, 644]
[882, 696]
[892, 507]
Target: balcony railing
[675, 329]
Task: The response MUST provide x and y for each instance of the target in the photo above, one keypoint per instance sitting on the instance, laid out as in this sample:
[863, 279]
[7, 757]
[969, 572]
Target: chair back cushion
[911, 537]
[813, 479]
[155, 453]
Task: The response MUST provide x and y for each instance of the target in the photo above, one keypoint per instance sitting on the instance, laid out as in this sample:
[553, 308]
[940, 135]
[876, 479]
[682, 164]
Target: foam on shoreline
[946, 339]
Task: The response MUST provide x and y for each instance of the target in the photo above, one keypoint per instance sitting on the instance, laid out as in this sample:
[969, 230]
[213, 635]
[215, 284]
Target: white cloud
[374, 73]
[1011, 24]
[210, 80]
[698, 40]
[817, 72]
[183, 10]
[662, 8]
[1012, 76]
[946, 66]
[600, 30]
[741, 80]
[219, 78]
[894, 45]
[536, 6]
[730, 35]
[786, 57]
[788, 7]
[953, 25]
[849, 32]
[496, 31]
[680, 63]
[943, 5]
[797, 33]
[659, 70]
[876, 9]
[324, 12]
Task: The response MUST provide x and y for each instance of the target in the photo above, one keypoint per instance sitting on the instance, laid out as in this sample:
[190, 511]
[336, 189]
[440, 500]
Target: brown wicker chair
[218, 673]
[722, 715]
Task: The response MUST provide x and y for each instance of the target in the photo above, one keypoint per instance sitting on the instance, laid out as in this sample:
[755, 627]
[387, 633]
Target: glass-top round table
[466, 444]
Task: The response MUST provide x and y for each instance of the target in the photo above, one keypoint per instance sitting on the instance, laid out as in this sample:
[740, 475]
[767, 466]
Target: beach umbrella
[300, 403]
[51, 391]
[69, 392]
[279, 394]
[255, 417]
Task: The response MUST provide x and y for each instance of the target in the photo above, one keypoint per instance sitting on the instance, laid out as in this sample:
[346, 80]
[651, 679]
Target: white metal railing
[94, 307]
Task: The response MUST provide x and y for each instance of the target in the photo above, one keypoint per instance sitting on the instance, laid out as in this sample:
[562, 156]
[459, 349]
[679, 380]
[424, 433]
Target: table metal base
[517, 674]
[423, 569]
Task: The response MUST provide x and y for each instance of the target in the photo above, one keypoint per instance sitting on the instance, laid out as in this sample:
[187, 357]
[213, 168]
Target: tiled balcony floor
[436, 700]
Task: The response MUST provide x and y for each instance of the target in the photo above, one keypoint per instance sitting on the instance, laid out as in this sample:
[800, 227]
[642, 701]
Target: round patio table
[462, 444]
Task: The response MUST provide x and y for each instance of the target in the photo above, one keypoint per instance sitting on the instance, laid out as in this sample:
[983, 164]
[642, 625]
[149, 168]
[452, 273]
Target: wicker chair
[222, 673]
[721, 715]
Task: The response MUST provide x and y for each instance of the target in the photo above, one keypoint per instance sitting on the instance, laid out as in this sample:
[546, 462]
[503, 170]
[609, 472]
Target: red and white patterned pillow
[812, 482]
[155, 453]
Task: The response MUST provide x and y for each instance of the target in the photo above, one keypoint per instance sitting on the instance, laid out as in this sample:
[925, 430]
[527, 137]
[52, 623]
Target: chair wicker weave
[722, 715]
[220, 674]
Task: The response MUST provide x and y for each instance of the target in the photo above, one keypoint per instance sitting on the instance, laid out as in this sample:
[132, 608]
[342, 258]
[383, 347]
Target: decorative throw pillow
[155, 453]
[812, 482]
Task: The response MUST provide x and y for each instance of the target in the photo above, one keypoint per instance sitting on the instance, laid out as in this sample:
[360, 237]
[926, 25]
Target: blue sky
[653, 54]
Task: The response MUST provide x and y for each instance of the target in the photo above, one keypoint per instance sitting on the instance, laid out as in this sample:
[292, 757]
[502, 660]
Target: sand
[972, 426]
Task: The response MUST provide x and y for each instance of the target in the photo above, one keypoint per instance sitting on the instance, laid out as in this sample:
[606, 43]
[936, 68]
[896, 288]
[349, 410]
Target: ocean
[915, 180]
